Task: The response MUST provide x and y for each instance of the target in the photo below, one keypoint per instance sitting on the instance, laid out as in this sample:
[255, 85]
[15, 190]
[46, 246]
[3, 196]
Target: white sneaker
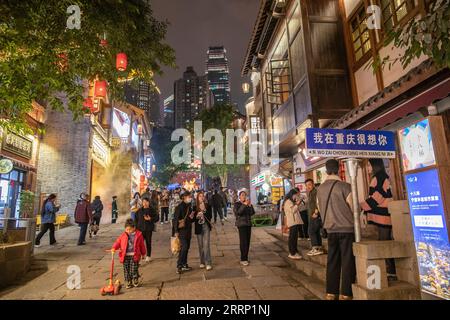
[317, 252]
[148, 259]
[208, 267]
[162, 222]
[202, 266]
[295, 256]
[244, 263]
[37, 245]
[312, 252]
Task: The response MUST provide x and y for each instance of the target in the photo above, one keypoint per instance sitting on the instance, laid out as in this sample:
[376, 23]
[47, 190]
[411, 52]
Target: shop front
[266, 188]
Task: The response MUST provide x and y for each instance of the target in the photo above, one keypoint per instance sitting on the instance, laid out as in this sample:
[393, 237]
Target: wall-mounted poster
[430, 231]
[416, 144]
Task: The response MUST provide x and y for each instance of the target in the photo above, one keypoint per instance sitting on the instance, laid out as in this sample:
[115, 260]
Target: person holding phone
[183, 219]
[243, 209]
[48, 218]
[203, 228]
[294, 221]
[146, 217]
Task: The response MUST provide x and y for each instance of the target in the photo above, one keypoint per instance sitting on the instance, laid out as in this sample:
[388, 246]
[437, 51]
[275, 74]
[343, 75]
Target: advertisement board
[430, 231]
[416, 144]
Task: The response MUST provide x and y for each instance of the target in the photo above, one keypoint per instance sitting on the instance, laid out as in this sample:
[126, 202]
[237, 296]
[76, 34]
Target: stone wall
[64, 159]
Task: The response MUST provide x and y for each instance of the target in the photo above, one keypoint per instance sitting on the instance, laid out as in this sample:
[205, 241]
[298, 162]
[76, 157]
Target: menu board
[430, 231]
[416, 144]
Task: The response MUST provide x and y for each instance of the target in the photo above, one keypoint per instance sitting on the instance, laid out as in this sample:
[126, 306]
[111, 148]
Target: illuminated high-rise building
[218, 75]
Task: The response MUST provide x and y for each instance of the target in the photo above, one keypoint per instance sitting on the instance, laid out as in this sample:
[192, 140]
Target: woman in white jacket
[294, 221]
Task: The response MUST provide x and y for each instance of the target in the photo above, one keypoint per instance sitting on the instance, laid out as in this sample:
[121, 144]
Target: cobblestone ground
[267, 277]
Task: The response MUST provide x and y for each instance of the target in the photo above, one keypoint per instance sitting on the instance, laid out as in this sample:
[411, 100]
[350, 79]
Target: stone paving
[267, 277]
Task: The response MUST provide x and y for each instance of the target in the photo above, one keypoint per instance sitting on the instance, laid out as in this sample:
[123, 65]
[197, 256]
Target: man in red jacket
[132, 249]
[83, 216]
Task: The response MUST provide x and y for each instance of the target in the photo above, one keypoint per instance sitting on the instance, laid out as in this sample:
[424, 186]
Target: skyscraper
[218, 75]
[169, 120]
[190, 97]
[145, 98]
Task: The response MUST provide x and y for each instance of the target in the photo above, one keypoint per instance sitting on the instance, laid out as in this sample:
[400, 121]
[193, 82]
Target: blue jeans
[225, 209]
[83, 230]
[204, 247]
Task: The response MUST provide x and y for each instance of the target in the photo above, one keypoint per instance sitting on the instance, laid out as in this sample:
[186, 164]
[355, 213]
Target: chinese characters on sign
[430, 231]
[18, 145]
[349, 143]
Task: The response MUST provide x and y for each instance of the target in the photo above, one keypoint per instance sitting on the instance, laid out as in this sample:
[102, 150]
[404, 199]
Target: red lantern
[88, 104]
[100, 89]
[121, 61]
[104, 43]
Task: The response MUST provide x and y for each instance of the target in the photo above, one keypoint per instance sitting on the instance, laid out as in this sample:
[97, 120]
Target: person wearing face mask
[203, 228]
[183, 219]
[243, 209]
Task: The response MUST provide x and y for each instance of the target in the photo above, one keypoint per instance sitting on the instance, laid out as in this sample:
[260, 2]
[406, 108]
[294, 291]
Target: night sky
[197, 24]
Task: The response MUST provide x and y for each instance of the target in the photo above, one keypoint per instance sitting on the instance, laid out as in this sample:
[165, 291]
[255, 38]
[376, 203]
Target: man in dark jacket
[184, 212]
[97, 208]
[83, 215]
[217, 203]
[114, 210]
[224, 196]
[146, 217]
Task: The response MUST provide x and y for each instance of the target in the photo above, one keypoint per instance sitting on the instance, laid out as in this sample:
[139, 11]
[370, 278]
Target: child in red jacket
[132, 249]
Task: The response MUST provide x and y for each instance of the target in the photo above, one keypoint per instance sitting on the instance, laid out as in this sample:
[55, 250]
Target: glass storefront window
[10, 187]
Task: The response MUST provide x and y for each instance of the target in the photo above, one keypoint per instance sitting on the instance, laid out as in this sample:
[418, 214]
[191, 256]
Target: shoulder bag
[323, 231]
[182, 223]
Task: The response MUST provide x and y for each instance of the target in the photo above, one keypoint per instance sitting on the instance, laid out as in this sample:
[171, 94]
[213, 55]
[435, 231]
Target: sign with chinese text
[255, 124]
[17, 144]
[350, 143]
[430, 231]
[416, 145]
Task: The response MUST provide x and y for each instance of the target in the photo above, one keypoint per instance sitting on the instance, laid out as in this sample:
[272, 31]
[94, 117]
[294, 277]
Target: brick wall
[64, 159]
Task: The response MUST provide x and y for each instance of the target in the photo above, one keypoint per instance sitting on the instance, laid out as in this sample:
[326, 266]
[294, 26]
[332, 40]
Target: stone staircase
[312, 273]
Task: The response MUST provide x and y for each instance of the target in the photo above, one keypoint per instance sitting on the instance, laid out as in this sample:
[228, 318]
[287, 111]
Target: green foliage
[26, 199]
[428, 36]
[33, 35]
[219, 117]
[4, 238]
[162, 146]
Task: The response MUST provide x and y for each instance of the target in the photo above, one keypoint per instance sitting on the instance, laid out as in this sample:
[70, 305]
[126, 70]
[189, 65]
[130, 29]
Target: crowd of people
[324, 211]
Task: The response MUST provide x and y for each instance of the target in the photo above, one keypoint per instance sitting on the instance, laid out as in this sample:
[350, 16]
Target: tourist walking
[114, 210]
[334, 199]
[217, 203]
[97, 208]
[376, 207]
[293, 221]
[243, 209]
[203, 229]
[164, 205]
[48, 219]
[223, 194]
[184, 217]
[146, 217]
[131, 249]
[83, 216]
[135, 204]
[175, 200]
[315, 220]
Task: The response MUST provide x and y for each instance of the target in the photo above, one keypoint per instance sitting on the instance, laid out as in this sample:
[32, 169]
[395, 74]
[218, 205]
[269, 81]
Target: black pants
[83, 230]
[96, 221]
[245, 234]
[44, 228]
[148, 241]
[293, 239]
[340, 260]
[303, 231]
[164, 214]
[217, 210]
[185, 240]
[173, 228]
[314, 231]
[385, 233]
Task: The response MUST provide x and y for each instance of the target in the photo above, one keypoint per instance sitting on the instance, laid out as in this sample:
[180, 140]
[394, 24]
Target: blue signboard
[350, 143]
[430, 231]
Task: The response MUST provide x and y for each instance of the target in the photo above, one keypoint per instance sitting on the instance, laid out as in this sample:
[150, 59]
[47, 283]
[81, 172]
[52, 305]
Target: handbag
[182, 223]
[323, 231]
[175, 245]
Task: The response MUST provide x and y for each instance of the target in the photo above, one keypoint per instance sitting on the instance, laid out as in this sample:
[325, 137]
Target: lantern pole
[352, 168]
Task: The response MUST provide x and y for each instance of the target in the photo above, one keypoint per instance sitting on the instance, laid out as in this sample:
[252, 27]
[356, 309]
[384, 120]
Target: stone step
[397, 290]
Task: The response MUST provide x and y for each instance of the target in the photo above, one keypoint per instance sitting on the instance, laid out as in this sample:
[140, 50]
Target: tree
[219, 117]
[429, 35]
[161, 146]
[42, 59]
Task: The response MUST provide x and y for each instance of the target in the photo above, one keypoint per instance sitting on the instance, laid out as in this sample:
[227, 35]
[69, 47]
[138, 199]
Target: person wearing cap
[334, 201]
[83, 215]
[184, 212]
[243, 209]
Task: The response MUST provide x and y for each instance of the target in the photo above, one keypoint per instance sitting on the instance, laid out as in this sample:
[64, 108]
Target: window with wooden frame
[360, 33]
[394, 11]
